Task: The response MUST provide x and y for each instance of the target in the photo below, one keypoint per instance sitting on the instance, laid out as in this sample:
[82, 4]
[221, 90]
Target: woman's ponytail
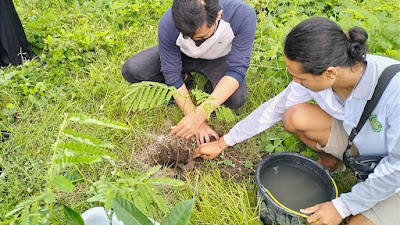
[357, 48]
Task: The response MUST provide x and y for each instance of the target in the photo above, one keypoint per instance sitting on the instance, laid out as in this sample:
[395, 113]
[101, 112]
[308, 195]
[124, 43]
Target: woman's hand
[323, 214]
[204, 133]
[210, 150]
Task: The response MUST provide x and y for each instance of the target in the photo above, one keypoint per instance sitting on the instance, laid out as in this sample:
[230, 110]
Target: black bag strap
[383, 82]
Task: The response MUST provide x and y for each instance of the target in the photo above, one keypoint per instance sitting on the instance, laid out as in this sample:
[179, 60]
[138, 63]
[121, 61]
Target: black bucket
[272, 210]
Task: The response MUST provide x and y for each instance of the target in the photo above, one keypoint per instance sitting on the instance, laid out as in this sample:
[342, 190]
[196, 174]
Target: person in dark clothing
[214, 38]
[14, 47]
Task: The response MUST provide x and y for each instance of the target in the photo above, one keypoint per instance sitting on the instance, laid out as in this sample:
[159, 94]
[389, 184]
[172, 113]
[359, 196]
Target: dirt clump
[177, 155]
[169, 152]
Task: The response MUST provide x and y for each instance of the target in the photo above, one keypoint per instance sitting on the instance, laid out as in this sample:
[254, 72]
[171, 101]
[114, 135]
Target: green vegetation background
[84, 45]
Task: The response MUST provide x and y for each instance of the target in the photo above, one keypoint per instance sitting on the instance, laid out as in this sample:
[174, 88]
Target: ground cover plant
[82, 46]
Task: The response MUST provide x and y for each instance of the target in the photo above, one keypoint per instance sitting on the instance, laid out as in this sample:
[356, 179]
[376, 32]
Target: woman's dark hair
[190, 15]
[318, 43]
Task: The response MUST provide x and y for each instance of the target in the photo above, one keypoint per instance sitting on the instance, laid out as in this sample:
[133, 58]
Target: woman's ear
[219, 14]
[331, 72]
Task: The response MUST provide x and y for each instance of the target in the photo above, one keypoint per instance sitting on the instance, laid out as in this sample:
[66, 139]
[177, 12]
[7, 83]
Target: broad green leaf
[63, 184]
[165, 181]
[129, 214]
[180, 213]
[269, 148]
[73, 218]
[50, 198]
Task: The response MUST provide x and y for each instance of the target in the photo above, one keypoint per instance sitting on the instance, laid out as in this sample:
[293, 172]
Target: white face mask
[217, 46]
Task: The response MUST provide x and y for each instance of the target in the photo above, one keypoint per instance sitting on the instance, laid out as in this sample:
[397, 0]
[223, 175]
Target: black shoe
[189, 81]
[171, 101]
[4, 135]
[213, 114]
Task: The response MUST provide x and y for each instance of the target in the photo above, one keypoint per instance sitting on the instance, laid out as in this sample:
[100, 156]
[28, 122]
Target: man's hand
[195, 116]
[323, 214]
[204, 133]
[210, 150]
[189, 125]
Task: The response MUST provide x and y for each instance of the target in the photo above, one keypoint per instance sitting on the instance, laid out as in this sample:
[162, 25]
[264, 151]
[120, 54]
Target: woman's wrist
[222, 144]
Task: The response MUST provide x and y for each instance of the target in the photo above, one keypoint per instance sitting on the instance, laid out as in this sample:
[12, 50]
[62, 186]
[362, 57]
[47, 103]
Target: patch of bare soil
[177, 155]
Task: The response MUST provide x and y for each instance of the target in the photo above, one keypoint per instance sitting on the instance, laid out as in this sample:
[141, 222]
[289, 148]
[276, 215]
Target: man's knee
[292, 117]
[143, 66]
[128, 72]
[236, 100]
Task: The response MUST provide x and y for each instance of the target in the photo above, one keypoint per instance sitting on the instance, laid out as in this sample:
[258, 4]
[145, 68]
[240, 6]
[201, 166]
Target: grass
[220, 201]
[84, 45]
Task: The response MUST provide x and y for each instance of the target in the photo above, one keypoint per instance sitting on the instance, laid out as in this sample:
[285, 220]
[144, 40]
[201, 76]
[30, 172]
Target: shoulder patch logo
[375, 124]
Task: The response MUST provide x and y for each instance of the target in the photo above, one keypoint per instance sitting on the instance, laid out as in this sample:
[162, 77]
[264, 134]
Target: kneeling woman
[333, 69]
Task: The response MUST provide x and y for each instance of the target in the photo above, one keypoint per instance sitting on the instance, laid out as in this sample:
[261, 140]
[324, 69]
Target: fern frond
[151, 210]
[84, 119]
[161, 203]
[98, 190]
[157, 199]
[22, 205]
[147, 94]
[225, 113]
[139, 201]
[151, 96]
[86, 139]
[84, 148]
[162, 97]
[144, 193]
[143, 100]
[35, 213]
[168, 96]
[77, 160]
[24, 219]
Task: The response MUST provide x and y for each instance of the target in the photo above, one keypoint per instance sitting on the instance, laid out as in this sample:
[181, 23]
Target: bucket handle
[283, 206]
[291, 210]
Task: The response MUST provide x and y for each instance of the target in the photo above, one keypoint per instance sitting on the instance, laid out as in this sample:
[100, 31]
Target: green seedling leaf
[63, 184]
[249, 164]
[73, 218]
[129, 214]
[165, 181]
[180, 214]
[228, 162]
[269, 148]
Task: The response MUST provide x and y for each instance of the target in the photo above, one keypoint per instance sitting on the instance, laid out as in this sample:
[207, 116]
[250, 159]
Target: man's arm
[195, 116]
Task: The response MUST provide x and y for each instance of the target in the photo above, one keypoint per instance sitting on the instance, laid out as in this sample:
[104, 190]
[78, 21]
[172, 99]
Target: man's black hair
[190, 15]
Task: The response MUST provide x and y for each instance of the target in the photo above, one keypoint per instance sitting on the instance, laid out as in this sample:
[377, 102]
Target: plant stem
[53, 162]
